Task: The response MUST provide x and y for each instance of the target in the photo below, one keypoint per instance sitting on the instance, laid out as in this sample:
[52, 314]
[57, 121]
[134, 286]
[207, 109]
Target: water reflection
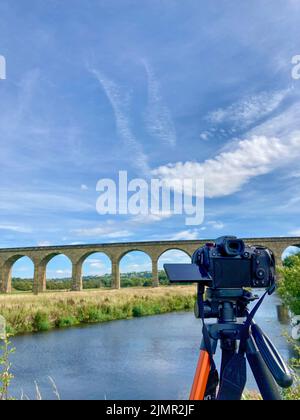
[283, 314]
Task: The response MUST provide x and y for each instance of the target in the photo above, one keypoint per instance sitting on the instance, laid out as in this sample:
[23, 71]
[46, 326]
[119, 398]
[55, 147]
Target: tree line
[143, 279]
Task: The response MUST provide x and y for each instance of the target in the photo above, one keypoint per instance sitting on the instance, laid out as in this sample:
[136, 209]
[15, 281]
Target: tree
[291, 261]
[289, 287]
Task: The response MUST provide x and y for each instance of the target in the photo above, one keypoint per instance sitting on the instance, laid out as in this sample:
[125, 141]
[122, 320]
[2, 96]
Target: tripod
[269, 369]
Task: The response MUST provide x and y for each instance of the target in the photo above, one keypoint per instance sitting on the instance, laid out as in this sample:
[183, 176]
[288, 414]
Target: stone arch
[87, 254]
[290, 250]
[140, 251]
[137, 249]
[175, 248]
[40, 284]
[47, 258]
[6, 270]
[172, 259]
[22, 274]
[78, 267]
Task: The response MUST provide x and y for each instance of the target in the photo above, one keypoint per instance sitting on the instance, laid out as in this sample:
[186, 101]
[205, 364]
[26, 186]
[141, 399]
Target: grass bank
[28, 313]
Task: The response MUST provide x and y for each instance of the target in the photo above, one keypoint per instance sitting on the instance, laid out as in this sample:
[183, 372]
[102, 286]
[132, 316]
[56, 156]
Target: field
[28, 313]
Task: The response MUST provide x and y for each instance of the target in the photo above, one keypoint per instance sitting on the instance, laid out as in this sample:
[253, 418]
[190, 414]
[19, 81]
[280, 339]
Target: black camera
[228, 263]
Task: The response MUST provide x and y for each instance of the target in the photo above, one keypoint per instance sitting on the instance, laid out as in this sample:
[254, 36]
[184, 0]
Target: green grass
[28, 313]
[41, 322]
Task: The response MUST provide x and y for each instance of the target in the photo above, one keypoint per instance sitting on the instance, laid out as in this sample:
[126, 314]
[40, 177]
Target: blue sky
[152, 87]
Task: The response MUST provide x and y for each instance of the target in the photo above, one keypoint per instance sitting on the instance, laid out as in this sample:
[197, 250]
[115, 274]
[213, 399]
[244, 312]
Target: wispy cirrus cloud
[196, 234]
[15, 228]
[34, 201]
[102, 232]
[44, 243]
[214, 224]
[120, 104]
[244, 114]
[250, 109]
[185, 235]
[158, 118]
[59, 273]
[152, 218]
[95, 264]
[281, 125]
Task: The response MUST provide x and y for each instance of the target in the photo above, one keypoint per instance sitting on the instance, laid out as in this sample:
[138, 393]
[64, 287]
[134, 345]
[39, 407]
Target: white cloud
[44, 243]
[103, 233]
[152, 218]
[174, 254]
[58, 273]
[28, 201]
[248, 111]
[130, 268]
[205, 135]
[92, 261]
[61, 273]
[84, 187]
[158, 117]
[229, 171]
[15, 228]
[291, 250]
[22, 270]
[216, 225]
[120, 106]
[97, 265]
[295, 232]
[281, 125]
[185, 235]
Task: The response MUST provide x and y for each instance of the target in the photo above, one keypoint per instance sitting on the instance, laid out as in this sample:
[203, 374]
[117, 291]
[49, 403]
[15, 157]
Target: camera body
[230, 264]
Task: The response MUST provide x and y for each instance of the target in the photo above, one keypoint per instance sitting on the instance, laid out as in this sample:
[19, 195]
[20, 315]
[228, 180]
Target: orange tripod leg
[201, 377]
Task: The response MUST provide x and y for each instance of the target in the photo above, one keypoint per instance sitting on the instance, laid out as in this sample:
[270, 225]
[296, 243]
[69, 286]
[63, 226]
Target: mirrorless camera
[227, 263]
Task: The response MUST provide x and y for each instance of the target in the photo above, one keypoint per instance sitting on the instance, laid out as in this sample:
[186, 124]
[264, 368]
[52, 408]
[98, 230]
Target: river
[143, 358]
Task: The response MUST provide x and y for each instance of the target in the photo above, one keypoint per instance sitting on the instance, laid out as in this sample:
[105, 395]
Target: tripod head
[226, 305]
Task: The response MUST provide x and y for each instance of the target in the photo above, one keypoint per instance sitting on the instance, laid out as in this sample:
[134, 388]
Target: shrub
[41, 322]
[22, 285]
[94, 315]
[137, 311]
[289, 287]
[5, 371]
[66, 321]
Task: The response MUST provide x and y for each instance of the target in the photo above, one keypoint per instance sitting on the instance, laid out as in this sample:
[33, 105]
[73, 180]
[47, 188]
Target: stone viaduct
[77, 254]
